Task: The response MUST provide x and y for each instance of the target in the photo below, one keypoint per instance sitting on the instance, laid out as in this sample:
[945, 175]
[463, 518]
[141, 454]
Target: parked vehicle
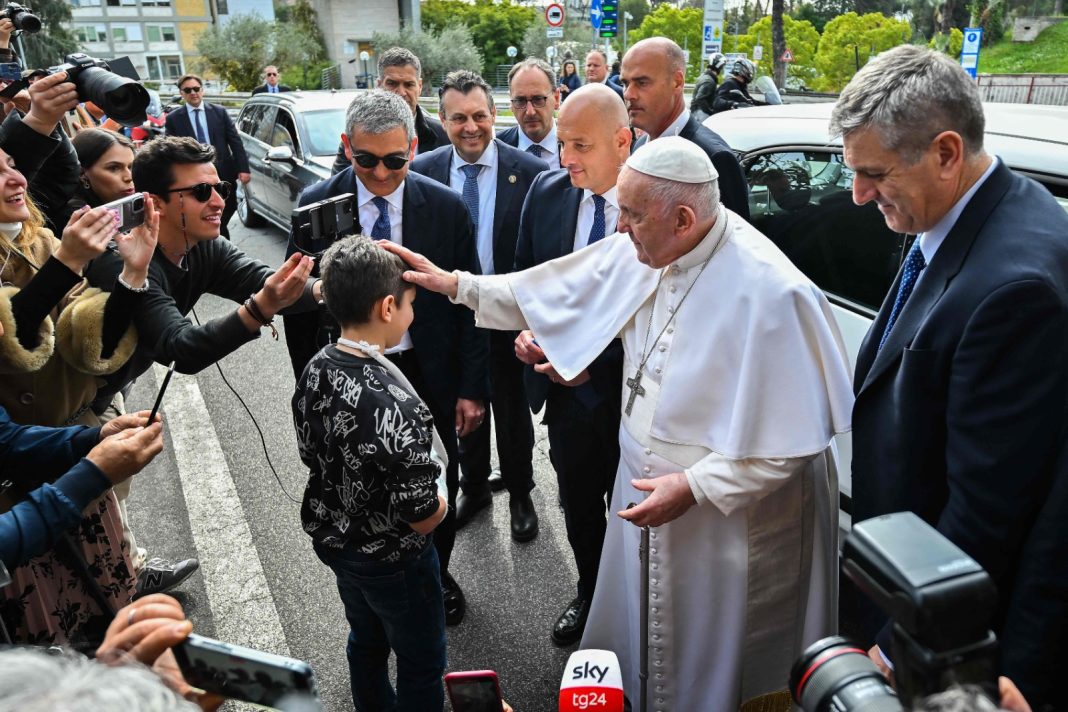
[800, 195]
[291, 140]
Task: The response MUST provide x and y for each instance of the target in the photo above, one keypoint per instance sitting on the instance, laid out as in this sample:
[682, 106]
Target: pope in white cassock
[736, 381]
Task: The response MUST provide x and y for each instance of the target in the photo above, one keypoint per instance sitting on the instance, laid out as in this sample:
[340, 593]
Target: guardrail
[1051, 89]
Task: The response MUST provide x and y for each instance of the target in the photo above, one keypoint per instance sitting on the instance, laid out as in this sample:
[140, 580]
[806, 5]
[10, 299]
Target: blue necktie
[537, 150]
[914, 264]
[471, 190]
[597, 231]
[381, 229]
[201, 136]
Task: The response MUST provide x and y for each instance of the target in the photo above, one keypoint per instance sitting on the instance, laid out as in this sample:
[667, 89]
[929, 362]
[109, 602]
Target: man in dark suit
[534, 97]
[493, 179]
[654, 74]
[270, 82]
[961, 382]
[401, 72]
[597, 71]
[566, 211]
[211, 124]
[443, 355]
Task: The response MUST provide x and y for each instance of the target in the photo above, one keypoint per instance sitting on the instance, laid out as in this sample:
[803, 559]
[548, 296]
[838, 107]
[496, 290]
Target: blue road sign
[596, 14]
[708, 33]
[969, 53]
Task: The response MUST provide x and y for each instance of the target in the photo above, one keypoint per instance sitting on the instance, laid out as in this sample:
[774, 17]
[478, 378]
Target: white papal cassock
[744, 392]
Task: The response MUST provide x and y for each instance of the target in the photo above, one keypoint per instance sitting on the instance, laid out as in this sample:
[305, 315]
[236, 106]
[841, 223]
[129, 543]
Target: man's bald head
[674, 57]
[594, 137]
[653, 77]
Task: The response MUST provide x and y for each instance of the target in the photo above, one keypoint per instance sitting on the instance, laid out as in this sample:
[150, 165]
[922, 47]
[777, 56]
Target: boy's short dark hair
[152, 166]
[357, 274]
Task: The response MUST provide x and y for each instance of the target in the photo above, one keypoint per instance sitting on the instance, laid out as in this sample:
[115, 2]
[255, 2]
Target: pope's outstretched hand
[423, 272]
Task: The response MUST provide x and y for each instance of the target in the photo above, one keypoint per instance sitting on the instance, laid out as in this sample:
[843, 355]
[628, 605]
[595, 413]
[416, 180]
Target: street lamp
[364, 56]
[626, 16]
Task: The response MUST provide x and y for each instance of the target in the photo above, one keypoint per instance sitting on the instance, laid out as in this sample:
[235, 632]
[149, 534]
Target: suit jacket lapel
[572, 199]
[936, 276]
[507, 190]
[412, 230]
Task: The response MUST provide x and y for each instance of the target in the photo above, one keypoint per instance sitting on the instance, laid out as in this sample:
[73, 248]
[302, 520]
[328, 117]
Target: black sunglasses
[202, 191]
[191, 90]
[272, 74]
[369, 160]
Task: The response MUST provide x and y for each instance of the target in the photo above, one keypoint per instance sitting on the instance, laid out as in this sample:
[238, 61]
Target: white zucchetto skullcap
[673, 158]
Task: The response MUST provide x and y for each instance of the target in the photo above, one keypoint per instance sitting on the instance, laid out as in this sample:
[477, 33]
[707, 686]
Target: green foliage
[55, 40]
[991, 17]
[439, 52]
[682, 26]
[801, 39]
[304, 16]
[637, 8]
[306, 76]
[849, 35]
[238, 51]
[494, 26]
[1048, 54]
[950, 44]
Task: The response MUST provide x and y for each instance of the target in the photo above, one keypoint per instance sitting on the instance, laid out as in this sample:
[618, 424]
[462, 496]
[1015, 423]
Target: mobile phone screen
[474, 695]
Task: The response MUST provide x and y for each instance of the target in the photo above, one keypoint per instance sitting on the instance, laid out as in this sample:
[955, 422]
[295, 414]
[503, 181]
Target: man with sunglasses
[535, 95]
[493, 179]
[443, 355]
[210, 124]
[270, 85]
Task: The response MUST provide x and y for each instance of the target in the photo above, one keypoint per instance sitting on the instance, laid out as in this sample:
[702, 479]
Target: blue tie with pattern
[597, 231]
[471, 190]
[535, 149]
[914, 264]
[381, 229]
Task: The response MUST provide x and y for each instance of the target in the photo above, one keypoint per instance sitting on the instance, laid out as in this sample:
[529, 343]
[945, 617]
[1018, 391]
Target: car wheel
[245, 213]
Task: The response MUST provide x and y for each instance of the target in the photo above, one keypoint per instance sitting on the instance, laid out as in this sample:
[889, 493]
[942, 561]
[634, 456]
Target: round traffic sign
[511, 51]
[554, 15]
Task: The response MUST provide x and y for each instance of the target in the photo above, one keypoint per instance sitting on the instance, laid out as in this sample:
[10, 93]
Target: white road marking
[241, 602]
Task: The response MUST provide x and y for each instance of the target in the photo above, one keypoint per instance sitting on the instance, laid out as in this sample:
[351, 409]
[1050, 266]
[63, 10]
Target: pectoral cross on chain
[635, 386]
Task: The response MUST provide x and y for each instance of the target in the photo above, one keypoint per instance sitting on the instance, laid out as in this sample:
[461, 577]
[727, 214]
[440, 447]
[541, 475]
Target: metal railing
[1025, 88]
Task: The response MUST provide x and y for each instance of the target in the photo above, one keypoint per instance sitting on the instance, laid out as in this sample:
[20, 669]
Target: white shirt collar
[190, 108]
[488, 157]
[932, 239]
[549, 143]
[609, 197]
[364, 196]
[677, 125]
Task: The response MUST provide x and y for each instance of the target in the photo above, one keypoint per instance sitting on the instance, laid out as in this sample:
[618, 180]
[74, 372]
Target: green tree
[494, 25]
[801, 39]
[990, 15]
[683, 26]
[850, 40]
[439, 52]
[239, 50]
[951, 43]
[638, 10]
[55, 40]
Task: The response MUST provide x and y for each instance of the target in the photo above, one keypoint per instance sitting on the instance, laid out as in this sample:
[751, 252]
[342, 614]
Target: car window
[265, 129]
[285, 132]
[324, 129]
[803, 201]
[250, 118]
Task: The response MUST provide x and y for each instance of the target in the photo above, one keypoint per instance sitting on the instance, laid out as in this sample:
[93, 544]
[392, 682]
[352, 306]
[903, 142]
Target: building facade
[349, 25]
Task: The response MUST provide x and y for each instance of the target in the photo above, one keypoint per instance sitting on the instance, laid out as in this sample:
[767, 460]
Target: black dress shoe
[571, 623]
[524, 518]
[468, 505]
[455, 603]
[495, 481]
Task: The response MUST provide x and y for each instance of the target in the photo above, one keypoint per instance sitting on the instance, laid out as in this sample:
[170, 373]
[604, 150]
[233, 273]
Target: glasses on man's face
[190, 90]
[393, 161]
[202, 191]
[480, 118]
[520, 102]
[272, 74]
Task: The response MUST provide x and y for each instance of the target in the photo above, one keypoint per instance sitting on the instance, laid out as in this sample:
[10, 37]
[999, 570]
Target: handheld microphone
[592, 682]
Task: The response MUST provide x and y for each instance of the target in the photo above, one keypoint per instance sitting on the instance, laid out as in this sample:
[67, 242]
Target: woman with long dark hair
[569, 79]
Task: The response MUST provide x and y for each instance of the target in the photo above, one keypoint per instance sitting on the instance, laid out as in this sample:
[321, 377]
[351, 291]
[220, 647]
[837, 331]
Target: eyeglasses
[190, 90]
[202, 191]
[272, 74]
[461, 119]
[520, 102]
[369, 160]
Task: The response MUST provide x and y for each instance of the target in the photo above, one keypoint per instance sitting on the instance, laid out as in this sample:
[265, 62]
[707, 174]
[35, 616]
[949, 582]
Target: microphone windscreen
[592, 682]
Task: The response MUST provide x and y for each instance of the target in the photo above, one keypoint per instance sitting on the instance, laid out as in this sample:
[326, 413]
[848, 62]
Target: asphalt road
[211, 494]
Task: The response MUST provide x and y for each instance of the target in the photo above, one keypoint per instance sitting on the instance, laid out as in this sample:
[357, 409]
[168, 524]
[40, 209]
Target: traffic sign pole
[969, 53]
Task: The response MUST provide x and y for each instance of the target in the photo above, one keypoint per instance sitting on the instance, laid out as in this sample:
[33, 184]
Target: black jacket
[430, 132]
[230, 158]
[49, 163]
[704, 93]
[960, 417]
[262, 89]
[732, 94]
[733, 188]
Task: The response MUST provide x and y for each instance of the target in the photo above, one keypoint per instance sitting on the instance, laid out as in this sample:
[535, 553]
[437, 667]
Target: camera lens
[121, 98]
[834, 675]
[139, 203]
[26, 21]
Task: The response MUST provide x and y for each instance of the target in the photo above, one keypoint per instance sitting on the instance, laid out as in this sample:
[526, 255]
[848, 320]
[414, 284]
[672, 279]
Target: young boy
[375, 490]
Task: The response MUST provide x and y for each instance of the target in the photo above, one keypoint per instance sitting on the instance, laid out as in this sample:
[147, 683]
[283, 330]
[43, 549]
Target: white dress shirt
[549, 144]
[487, 199]
[585, 216]
[675, 126]
[367, 212]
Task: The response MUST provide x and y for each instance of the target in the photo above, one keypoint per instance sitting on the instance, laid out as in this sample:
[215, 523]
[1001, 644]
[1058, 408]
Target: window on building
[160, 33]
[91, 33]
[126, 33]
[123, 3]
[156, 3]
[163, 68]
[85, 3]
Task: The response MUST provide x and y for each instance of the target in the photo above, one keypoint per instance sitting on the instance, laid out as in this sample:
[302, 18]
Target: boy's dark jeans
[394, 606]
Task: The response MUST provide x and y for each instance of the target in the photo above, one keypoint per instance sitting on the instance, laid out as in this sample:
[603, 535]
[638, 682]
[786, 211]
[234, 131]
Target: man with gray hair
[653, 76]
[442, 354]
[961, 381]
[535, 95]
[736, 381]
[401, 72]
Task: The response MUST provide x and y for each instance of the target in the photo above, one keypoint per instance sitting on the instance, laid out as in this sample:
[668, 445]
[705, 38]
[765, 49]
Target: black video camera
[121, 98]
[22, 18]
[940, 601]
[319, 225]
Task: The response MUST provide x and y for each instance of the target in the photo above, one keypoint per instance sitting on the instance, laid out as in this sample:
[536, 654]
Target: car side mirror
[282, 154]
